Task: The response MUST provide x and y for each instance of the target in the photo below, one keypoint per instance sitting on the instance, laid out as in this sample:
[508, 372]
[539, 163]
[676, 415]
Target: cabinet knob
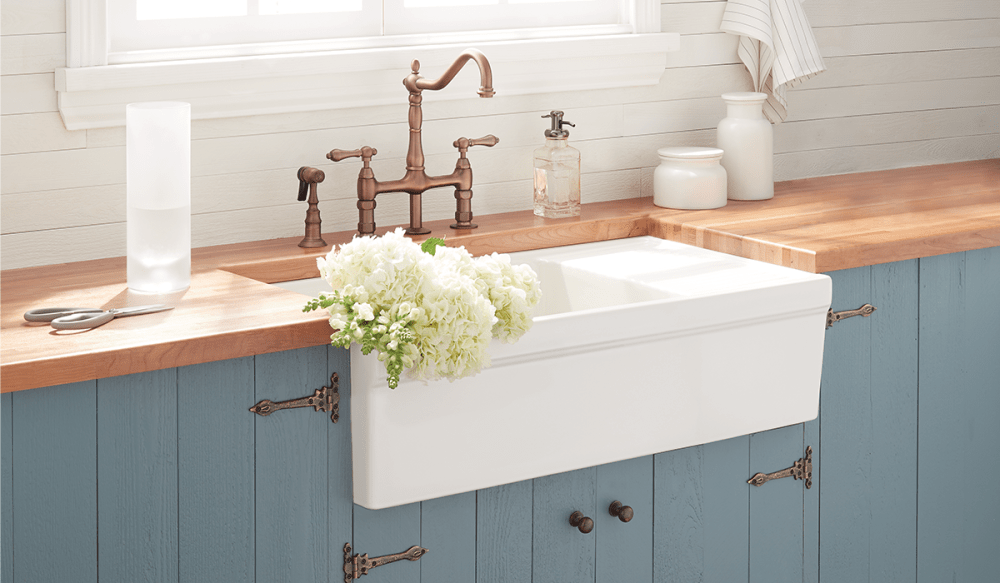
[623, 512]
[585, 524]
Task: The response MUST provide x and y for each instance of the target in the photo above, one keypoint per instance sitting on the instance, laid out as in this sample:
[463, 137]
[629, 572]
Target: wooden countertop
[816, 225]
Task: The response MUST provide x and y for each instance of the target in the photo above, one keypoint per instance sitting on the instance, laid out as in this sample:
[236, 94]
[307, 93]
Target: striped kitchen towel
[777, 45]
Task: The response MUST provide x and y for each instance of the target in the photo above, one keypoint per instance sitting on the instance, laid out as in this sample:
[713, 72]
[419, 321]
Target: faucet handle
[365, 153]
[463, 144]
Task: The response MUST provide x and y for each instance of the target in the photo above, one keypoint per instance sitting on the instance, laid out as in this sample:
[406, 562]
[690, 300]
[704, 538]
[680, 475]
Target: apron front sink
[639, 346]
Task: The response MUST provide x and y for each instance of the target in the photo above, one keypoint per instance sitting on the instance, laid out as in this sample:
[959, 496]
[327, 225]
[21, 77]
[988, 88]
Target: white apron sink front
[639, 346]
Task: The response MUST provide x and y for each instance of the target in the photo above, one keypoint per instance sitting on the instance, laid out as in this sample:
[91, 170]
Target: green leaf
[431, 244]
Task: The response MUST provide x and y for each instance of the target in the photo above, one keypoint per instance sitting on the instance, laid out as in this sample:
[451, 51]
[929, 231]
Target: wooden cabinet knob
[623, 512]
[585, 524]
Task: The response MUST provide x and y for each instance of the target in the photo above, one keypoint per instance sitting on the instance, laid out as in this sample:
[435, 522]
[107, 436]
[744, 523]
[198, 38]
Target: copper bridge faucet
[416, 180]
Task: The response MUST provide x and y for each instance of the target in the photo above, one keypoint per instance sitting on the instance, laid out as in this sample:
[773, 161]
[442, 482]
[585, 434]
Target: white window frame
[93, 94]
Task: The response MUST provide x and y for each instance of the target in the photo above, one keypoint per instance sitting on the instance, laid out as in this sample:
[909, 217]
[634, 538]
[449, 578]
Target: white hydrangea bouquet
[428, 309]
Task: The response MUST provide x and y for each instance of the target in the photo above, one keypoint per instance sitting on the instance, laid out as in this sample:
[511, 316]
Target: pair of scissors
[86, 318]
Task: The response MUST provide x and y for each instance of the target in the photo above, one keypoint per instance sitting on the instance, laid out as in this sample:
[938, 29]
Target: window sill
[95, 97]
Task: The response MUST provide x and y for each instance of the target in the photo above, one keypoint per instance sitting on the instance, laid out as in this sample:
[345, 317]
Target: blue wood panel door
[701, 514]
[958, 536]
[503, 533]
[625, 550]
[215, 472]
[137, 477]
[776, 508]
[292, 539]
[54, 488]
[560, 553]
[388, 531]
[869, 429]
[448, 527]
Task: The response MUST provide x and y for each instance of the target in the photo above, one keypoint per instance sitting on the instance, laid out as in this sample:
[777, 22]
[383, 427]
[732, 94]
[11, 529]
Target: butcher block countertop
[816, 225]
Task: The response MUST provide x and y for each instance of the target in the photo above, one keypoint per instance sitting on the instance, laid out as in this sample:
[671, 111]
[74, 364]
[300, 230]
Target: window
[154, 30]
[245, 57]
[158, 30]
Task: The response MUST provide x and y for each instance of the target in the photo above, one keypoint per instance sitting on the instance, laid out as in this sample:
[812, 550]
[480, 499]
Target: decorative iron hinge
[832, 317]
[325, 399]
[801, 470]
[357, 566]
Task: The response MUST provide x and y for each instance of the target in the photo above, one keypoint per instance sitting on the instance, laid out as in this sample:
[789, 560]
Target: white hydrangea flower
[513, 290]
[433, 314]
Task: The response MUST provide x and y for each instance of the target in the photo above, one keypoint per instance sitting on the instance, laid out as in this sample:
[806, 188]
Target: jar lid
[690, 153]
[745, 96]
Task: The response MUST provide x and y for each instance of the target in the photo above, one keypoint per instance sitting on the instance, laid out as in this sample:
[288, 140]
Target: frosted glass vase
[158, 177]
[747, 141]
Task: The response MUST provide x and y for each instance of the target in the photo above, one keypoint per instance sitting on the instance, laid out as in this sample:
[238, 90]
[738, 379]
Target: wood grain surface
[958, 371]
[816, 225]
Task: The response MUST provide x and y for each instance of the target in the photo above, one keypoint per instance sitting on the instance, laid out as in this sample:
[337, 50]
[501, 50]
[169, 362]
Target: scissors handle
[82, 320]
[50, 314]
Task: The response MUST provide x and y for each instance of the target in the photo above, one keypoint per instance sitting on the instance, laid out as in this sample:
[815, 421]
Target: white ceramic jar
[689, 177]
[747, 139]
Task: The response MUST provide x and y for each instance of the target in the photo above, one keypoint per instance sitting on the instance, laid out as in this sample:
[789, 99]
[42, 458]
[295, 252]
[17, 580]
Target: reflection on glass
[160, 10]
[438, 3]
[543, 1]
[307, 6]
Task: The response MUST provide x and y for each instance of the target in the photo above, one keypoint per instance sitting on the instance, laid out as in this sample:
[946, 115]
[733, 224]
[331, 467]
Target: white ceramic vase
[747, 141]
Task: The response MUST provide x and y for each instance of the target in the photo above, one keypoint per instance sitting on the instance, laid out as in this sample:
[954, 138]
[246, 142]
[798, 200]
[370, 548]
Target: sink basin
[639, 346]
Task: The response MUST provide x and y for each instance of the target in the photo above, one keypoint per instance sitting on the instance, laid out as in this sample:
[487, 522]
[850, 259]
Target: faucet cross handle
[365, 153]
[463, 144]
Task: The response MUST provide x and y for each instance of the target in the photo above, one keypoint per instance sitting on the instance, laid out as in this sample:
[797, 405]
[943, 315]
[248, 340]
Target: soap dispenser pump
[557, 172]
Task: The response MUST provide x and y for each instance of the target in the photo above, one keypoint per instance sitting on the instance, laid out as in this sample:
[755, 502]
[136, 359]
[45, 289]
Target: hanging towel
[777, 45]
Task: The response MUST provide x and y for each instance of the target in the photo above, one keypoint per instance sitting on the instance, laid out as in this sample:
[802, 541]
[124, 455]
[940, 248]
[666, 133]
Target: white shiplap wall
[910, 82]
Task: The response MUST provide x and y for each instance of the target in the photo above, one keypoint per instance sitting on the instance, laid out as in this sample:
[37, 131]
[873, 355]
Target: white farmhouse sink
[639, 346]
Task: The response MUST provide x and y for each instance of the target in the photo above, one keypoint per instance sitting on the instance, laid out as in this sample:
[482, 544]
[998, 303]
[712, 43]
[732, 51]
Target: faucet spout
[416, 84]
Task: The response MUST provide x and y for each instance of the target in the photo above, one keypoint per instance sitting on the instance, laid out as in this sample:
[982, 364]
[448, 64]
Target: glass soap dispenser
[557, 172]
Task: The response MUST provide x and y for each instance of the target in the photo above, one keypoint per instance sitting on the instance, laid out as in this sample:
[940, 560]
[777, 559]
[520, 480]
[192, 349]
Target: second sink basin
[639, 346]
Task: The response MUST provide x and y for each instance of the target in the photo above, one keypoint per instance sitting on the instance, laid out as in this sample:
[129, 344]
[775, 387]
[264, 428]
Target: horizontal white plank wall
[25, 94]
[909, 82]
[823, 13]
[23, 133]
[33, 53]
[870, 39]
[32, 16]
[796, 165]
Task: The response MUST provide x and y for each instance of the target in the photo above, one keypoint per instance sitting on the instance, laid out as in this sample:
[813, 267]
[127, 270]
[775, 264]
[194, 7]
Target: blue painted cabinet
[614, 551]
[867, 483]
[905, 470]
[711, 526]
[165, 476]
[958, 421]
